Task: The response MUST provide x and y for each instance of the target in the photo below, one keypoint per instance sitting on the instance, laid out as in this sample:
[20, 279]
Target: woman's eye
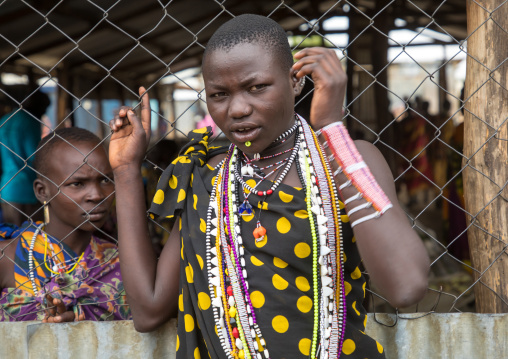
[257, 87]
[218, 94]
[75, 184]
[106, 180]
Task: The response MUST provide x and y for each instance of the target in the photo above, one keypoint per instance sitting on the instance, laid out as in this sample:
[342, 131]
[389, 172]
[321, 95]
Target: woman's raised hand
[330, 81]
[130, 135]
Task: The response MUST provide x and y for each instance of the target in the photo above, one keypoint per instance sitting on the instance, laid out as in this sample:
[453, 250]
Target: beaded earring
[46, 213]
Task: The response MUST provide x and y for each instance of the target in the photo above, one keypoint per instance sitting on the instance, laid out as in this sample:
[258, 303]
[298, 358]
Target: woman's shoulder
[197, 159]
[216, 159]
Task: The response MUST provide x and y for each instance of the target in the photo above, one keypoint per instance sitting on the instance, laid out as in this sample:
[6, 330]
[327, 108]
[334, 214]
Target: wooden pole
[379, 59]
[486, 151]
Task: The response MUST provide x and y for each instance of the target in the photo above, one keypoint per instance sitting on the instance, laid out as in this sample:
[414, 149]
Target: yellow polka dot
[304, 304]
[279, 263]
[251, 183]
[197, 355]
[348, 347]
[180, 302]
[181, 196]
[181, 250]
[341, 205]
[189, 150]
[257, 298]
[301, 214]
[353, 239]
[279, 282]
[181, 159]
[191, 179]
[195, 201]
[344, 257]
[263, 206]
[248, 218]
[304, 346]
[177, 342]
[203, 301]
[365, 324]
[189, 272]
[363, 287]
[354, 307]
[302, 250]
[356, 273]
[262, 243]
[159, 197]
[302, 283]
[347, 287]
[152, 216]
[284, 197]
[379, 347]
[200, 130]
[283, 225]
[180, 226]
[200, 261]
[213, 180]
[344, 218]
[256, 261]
[280, 324]
[173, 182]
[189, 323]
[202, 225]
[209, 167]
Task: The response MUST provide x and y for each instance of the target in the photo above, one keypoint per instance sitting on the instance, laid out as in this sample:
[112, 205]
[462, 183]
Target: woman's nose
[239, 107]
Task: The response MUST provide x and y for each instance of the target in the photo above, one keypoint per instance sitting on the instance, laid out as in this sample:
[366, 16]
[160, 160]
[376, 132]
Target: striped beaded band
[349, 159]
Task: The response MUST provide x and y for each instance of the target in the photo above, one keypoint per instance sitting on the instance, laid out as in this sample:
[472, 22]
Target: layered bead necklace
[57, 268]
[239, 333]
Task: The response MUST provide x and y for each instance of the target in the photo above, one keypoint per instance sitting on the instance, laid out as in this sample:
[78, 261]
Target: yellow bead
[241, 354]
[232, 312]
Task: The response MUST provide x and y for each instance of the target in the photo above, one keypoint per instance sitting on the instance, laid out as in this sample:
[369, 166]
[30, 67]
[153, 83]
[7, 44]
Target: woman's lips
[246, 135]
[96, 216]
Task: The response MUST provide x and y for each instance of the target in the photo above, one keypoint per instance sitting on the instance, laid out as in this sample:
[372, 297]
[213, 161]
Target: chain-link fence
[406, 64]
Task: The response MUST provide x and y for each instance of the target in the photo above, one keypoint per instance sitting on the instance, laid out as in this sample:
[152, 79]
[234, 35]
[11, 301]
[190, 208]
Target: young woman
[262, 261]
[58, 271]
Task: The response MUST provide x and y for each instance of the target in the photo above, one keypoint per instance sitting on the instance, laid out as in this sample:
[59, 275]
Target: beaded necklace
[31, 259]
[227, 276]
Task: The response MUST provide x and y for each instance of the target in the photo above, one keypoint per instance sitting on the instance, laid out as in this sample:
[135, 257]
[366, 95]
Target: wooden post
[379, 59]
[486, 151]
[62, 96]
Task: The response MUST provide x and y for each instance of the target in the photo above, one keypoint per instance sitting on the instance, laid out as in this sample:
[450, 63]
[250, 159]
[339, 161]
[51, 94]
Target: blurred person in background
[20, 132]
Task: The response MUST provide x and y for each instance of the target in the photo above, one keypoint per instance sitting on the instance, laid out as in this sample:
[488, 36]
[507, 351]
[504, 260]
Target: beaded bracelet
[356, 170]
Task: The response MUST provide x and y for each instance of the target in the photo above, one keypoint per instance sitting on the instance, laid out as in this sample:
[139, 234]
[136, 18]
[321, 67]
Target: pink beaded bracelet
[358, 173]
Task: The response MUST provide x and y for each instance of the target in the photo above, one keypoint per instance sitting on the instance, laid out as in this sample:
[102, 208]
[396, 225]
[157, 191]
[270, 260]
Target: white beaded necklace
[31, 259]
[331, 335]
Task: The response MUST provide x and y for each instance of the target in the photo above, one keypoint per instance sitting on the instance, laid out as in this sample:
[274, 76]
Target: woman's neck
[76, 240]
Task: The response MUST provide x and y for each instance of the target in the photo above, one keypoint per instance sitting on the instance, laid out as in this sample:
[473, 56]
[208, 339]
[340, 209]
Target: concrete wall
[441, 336]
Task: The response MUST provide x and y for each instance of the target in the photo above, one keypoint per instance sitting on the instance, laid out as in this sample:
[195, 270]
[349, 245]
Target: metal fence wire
[406, 67]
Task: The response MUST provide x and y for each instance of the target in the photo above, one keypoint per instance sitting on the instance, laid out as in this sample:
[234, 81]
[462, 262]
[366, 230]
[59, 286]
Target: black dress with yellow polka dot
[279, 267]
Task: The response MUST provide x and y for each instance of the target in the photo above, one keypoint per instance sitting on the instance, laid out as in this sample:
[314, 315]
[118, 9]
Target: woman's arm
[151, 286]
[391, 251]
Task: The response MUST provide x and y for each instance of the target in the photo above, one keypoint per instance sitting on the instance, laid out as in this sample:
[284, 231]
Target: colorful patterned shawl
[93, 288]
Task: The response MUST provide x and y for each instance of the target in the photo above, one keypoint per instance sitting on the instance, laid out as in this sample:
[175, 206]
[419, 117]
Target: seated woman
[59, 271]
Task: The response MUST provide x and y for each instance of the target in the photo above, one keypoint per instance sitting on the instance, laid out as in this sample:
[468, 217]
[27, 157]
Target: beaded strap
[349, 159]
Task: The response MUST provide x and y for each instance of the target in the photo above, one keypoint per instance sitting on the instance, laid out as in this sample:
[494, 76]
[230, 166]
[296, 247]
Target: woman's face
[81, 193]
[249, 95]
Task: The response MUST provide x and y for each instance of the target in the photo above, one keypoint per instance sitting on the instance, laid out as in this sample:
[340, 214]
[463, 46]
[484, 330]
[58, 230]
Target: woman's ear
[41, 190]
[296, 82]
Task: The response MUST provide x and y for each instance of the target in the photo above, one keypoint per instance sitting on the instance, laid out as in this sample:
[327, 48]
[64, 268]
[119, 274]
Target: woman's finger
[67, 316]
[60, 306]
[146, 113]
